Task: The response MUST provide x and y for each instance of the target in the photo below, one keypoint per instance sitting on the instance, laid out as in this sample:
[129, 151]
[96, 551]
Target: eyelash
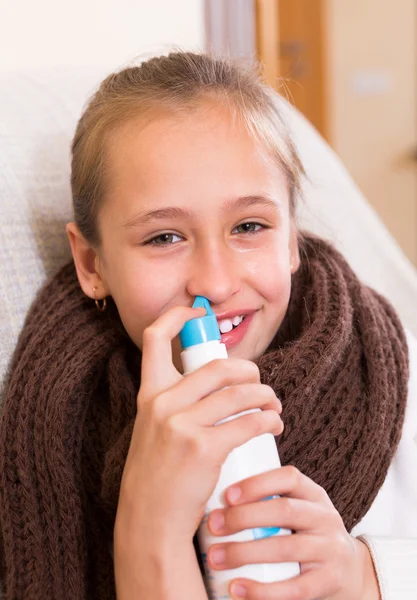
[152, 241]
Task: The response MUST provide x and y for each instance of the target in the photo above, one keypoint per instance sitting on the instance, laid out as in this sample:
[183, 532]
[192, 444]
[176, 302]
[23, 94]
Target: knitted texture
[339, 363]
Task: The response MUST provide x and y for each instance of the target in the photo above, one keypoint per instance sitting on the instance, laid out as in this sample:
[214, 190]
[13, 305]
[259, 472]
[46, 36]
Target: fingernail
[216, 520]
[234, 493]
[218, 556]
[238, 590]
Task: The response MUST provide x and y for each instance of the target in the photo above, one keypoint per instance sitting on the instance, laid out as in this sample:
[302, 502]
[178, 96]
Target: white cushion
[38, 114]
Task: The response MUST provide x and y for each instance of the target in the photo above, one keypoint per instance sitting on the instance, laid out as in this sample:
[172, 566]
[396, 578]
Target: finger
[307, 586]
[210, 378]
[234, 433]
[299, 548]
[290, 513]
[287, 481]
[232, 400]
[158, 372]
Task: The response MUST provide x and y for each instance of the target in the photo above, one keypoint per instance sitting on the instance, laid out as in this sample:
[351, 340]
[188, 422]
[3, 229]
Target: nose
[214, 274]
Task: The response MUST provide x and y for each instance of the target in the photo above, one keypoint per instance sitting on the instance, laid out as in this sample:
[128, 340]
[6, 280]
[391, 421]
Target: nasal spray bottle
[201, 343]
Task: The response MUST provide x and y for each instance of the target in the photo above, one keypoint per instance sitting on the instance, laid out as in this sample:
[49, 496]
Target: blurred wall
[41, 33]
[372, 87]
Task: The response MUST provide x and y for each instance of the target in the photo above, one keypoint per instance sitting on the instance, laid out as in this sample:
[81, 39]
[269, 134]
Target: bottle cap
[202, 329]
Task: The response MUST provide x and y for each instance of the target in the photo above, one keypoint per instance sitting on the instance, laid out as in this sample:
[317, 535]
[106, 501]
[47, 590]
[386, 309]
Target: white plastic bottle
[200, 339]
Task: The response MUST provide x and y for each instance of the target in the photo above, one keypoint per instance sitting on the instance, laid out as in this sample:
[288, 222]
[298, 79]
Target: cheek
[272, 276]
[142, 294]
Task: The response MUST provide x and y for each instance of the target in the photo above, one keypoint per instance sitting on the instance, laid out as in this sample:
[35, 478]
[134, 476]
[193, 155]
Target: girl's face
[192, 208]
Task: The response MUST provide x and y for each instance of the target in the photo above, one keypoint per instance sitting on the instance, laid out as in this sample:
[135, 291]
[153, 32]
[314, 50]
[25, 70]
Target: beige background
[372, 86]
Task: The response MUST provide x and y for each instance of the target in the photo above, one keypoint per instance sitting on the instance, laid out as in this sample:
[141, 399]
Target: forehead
[204, 154]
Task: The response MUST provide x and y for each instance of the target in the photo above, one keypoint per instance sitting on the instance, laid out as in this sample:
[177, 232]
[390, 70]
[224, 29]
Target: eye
[249, 227]
[164, 239]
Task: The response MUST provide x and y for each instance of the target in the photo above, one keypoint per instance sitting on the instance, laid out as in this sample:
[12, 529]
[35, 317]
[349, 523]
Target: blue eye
[249, 227]
[164, 239]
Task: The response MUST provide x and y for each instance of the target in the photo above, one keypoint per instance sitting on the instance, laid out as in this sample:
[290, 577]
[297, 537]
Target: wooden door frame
[267, 38]
[269, 50]
[250, 28]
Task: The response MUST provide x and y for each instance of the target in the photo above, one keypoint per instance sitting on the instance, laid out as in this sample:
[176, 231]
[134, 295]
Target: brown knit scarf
[339, 363]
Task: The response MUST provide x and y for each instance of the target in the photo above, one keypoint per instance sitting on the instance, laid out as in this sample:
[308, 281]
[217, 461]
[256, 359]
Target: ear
[87, 264]
[294, 248]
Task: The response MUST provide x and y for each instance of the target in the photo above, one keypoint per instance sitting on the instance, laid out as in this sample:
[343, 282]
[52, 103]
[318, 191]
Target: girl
[185, 182]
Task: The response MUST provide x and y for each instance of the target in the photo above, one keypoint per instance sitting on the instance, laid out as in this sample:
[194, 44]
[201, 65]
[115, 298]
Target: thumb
[158, 371]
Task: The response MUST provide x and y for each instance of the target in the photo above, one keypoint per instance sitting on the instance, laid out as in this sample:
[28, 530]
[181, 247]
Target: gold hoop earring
[100, 307]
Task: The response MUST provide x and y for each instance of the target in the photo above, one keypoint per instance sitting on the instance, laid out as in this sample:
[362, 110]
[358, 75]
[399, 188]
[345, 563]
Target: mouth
[227, 325]
[233, 328]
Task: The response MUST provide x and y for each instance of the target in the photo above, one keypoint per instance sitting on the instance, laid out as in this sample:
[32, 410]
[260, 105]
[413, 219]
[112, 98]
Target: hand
[334, 565]
[175, 453]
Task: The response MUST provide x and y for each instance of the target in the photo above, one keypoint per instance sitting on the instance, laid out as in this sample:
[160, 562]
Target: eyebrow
[175, 212]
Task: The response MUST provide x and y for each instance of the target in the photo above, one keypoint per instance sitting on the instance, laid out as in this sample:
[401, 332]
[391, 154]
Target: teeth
[226, 325]
[237, 320]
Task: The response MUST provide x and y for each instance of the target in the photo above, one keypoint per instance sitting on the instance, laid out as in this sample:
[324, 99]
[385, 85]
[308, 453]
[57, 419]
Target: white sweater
[389, 528]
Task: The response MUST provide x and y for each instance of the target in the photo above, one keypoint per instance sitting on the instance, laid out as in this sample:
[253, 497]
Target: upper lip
[234, 313]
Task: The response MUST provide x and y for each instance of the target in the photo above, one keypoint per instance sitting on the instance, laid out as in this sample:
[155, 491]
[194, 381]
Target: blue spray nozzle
[202, 329]
[201, 302]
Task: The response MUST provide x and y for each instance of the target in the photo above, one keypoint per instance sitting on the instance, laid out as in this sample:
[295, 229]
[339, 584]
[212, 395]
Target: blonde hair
[174, 83]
